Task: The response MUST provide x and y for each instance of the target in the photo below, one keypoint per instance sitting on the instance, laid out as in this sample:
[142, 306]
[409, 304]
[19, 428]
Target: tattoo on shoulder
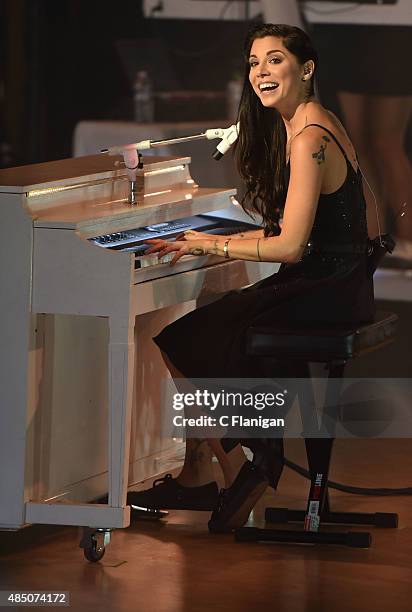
[320, 155]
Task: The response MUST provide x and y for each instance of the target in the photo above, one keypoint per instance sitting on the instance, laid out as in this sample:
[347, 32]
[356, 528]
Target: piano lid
[76, 171]
[89, 194]
[94, 218]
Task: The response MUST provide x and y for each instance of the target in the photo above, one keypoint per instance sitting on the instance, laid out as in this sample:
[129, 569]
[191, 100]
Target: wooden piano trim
[66, 172]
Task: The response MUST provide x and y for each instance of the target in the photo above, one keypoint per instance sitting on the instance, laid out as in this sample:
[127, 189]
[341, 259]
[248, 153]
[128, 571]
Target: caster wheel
[95, 552]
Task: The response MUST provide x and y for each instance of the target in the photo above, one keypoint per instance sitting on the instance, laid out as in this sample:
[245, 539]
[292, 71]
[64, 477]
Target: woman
[295, 157]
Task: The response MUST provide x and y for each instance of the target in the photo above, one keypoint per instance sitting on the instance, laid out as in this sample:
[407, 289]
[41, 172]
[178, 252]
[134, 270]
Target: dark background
[63, 61]
[70, 60]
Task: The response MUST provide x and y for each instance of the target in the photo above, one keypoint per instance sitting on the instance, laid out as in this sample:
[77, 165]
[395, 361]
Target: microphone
[229, 136]
[131, 156]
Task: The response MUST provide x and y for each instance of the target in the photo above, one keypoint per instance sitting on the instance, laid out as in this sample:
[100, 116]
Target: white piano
[80, 377]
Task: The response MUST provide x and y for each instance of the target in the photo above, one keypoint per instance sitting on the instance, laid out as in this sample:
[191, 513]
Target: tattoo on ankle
[320, 155]
[196, 454]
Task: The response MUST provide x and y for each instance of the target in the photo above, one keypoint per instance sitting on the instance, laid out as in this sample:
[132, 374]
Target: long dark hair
[261, 147]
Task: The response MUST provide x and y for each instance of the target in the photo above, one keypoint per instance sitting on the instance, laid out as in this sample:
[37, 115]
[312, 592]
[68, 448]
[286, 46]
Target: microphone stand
[133, 159]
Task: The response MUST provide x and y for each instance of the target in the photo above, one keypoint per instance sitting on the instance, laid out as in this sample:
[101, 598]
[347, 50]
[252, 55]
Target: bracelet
[257, 249]
[226, 248]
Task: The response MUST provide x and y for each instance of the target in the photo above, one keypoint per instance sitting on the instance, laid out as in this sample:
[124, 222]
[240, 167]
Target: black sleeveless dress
[331, 284]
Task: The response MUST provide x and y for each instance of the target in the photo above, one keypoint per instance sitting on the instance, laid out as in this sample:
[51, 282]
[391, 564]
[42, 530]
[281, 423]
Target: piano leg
[120, 392]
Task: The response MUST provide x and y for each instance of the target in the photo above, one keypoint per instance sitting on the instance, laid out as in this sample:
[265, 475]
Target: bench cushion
[322, 344]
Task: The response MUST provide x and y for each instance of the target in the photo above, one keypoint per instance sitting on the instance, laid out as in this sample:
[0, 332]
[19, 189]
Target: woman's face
[275, 73]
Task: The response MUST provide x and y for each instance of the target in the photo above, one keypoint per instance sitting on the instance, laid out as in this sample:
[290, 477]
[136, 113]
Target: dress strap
[332, 136]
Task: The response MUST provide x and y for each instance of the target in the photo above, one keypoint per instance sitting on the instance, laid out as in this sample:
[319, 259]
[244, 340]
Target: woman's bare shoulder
[312, 133]
[308, 153]
[329, 120]
[306, 139]
[323, 116]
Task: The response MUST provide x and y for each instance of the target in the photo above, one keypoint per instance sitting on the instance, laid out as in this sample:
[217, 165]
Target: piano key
[152, 260]
[133, 241]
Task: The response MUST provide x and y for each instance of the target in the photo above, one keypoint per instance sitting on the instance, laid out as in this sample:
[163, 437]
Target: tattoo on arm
[320, 155]
[197, 251]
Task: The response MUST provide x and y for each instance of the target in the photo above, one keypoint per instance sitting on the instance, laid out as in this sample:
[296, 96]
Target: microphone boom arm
[229, 133]
[131, 152]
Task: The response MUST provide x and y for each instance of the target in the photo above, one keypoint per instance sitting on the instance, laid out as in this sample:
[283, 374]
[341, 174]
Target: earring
[306, 73]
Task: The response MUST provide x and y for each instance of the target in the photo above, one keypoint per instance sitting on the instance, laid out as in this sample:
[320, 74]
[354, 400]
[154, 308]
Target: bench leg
[319, 452]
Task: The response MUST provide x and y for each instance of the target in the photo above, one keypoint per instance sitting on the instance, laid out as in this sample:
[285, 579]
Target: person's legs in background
[377, 127]
[390, 115]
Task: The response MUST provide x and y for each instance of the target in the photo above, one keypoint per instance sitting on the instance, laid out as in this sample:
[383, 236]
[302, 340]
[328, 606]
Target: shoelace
[163, 480]
[220, 501]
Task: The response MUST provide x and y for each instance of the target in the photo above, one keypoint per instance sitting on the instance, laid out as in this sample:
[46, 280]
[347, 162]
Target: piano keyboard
[133, 241]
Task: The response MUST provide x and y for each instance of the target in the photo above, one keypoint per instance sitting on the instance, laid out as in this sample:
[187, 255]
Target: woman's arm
[250, 234]
[194, 235]
[307, 166]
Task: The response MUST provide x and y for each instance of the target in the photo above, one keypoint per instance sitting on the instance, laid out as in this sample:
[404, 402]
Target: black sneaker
[167, 494]
[236, 502]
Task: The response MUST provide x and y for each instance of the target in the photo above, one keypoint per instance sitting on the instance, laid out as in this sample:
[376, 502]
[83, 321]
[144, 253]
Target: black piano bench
[333, 346]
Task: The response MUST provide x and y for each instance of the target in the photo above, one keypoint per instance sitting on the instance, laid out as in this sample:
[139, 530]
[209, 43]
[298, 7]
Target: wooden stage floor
[175, 565]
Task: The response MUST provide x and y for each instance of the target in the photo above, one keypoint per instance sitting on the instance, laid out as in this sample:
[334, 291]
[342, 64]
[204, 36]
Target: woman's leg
[197, 468]
[377, 126]
[389, 118]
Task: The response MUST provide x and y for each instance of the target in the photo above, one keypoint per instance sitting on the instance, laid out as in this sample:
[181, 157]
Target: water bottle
[143, 98]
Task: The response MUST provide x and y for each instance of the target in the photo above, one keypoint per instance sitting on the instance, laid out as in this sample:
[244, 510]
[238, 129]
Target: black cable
[349, 489]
